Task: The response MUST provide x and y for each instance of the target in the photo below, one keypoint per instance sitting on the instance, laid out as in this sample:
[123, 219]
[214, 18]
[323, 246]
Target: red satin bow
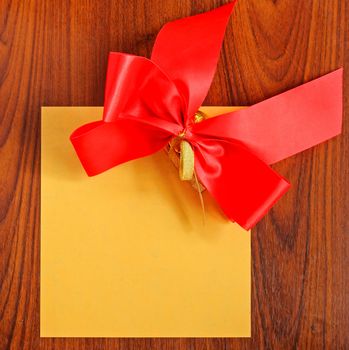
[149, 102]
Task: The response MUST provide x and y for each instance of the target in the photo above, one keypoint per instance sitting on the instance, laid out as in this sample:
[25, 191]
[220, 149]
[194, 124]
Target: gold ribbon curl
[182, 155]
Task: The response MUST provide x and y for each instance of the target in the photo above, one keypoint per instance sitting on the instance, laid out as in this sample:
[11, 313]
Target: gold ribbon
[182, 155]
[186, 161]
[186, 153]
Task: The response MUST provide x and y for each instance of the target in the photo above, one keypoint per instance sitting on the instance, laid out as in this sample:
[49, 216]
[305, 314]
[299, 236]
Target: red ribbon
[149, 102]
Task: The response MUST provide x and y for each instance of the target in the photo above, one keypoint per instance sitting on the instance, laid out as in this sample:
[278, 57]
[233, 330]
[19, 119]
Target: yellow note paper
[126, 253]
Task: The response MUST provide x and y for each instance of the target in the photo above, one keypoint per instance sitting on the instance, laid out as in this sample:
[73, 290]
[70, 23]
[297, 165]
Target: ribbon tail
[101, 146]
[286, 124]
[188, 51]
[243, 185]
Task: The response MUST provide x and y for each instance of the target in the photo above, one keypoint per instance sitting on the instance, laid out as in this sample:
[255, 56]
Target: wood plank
[55, 53]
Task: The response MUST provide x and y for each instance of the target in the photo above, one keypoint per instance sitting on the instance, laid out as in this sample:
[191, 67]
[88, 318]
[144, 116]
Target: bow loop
[244, 186]
[136, 88]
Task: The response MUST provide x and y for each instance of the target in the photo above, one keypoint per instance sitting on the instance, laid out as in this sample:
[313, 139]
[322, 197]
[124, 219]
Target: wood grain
[55, 53]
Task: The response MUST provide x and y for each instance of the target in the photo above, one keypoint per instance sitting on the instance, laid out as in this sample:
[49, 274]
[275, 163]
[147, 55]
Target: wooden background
[55, 53]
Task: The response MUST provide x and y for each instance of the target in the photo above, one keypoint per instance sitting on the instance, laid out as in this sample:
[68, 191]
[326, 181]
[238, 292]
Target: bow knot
[148, 103]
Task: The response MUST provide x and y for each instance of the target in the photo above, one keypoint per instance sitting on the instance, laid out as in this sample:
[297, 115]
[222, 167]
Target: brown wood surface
[55, 53]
